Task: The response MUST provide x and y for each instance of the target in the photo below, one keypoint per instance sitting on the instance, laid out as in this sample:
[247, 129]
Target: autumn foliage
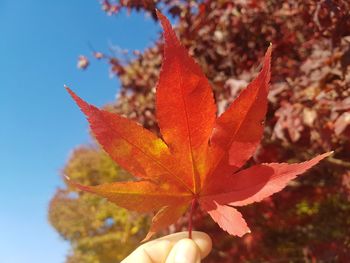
[307, 114]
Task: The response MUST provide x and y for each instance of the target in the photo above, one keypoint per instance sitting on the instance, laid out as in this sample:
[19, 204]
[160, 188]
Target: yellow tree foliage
[97, 230]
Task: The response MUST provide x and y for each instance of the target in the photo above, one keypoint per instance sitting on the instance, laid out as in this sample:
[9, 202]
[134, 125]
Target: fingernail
[186, 252]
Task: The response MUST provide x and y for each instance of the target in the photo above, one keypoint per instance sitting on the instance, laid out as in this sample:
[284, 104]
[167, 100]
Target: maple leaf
[198, 158]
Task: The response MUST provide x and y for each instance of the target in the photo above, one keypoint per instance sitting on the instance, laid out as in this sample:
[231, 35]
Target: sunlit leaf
[198, 156]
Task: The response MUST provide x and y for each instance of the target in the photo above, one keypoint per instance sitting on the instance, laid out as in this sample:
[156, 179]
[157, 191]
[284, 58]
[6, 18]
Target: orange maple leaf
[197, 160]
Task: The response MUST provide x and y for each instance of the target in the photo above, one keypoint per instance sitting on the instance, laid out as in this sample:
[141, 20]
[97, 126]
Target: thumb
[184, 251]
[158, 250]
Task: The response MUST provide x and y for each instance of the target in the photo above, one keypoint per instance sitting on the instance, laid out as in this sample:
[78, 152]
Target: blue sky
[39, 44]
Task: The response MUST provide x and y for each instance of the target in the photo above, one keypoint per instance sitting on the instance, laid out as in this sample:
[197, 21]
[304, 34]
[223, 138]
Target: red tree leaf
[228, 218]
[185, 106]
[134, 148]
[166, 216]
[237, 132]
[258, 182]
[143, 196]
[198, 160]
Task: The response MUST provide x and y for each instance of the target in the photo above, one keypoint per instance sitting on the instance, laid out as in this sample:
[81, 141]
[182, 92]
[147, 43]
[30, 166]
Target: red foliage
[196, 162]
[308, 112]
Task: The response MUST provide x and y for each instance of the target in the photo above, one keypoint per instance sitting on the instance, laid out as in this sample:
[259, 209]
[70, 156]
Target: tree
[97, 230]
[309, 111]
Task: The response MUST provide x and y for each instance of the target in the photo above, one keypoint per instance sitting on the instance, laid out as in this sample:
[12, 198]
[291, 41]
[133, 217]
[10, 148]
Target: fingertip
[158, 249]
[163, 249]
[203, 242]
[184, 251]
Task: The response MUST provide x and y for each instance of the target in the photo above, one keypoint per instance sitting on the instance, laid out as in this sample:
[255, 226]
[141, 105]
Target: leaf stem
[190, 225]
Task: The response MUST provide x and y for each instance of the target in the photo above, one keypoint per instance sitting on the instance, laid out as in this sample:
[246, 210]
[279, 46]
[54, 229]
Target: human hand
[174, 248]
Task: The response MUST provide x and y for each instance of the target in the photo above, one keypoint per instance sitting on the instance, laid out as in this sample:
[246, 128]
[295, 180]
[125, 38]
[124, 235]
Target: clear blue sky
[39, 43]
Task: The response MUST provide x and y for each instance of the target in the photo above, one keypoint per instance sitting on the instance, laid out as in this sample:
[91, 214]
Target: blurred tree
[309, 113]
[98, 230]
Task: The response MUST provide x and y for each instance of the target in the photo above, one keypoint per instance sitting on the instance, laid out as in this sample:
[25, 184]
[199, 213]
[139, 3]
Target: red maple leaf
[198, 158]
